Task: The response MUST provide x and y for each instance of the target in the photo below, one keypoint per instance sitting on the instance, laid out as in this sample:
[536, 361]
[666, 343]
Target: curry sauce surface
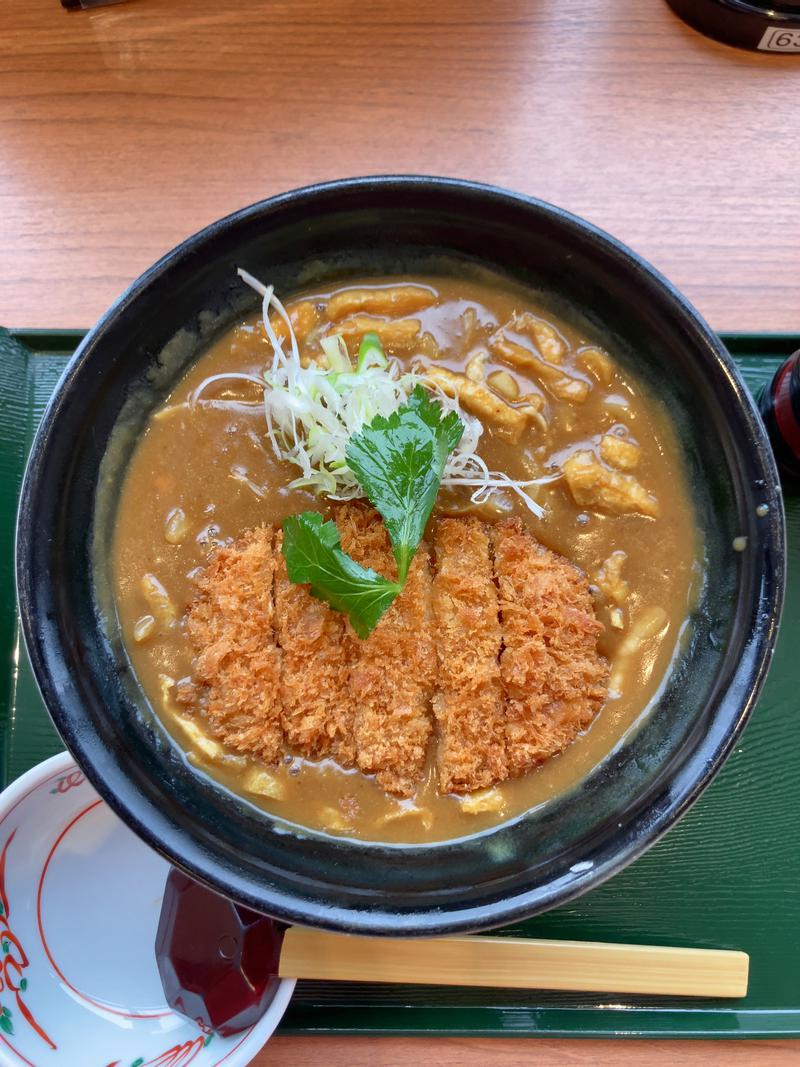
[202, 475]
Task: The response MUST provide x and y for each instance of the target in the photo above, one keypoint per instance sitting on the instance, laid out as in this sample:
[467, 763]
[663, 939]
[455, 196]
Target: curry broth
[199, 478]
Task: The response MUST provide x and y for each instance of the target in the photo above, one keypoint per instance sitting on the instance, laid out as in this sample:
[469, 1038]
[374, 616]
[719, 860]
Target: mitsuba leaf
[399, 461]
[313, 553]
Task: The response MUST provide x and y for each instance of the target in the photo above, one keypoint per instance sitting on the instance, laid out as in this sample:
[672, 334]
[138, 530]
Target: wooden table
[125, 128]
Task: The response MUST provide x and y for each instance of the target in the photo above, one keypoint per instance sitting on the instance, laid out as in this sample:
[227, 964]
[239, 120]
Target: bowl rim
[646, 826]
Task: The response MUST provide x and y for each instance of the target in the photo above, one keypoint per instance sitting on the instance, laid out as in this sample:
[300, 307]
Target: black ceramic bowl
[531, 862]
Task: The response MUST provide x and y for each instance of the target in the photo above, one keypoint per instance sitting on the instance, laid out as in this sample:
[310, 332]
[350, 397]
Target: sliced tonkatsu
[393, 671]
[317, 710]
[491, 647]
[554, 678]
[469, 702]
[237, 665]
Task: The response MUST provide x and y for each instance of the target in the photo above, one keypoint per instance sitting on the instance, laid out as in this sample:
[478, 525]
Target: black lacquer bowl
[129, 361]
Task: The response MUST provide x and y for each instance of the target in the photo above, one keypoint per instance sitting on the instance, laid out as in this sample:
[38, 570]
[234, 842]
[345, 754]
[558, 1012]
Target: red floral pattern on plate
[14, 961]
[68, 781]
[177, 1056]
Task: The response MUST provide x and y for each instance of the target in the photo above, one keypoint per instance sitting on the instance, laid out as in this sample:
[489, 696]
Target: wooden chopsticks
[518, 963]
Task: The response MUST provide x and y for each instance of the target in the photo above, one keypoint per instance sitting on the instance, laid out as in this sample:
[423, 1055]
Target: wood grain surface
[507, 1052]
[125, 128]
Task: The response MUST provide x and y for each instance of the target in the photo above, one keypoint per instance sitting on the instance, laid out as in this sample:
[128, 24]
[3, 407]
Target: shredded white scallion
[230, 376]
[311, 413]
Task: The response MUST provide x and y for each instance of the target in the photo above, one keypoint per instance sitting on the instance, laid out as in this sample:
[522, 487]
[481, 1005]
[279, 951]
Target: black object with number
[763, 25]
[77, 5]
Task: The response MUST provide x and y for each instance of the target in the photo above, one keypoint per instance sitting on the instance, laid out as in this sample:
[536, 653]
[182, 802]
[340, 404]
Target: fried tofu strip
[597, 363]
[619, 452]
[317, 712]
[555, 379]
[609, 578]
[397, 335]
[547, 339]
[304, 317]
[554, 677]
[393, 302]
[393, 671]
[237, 665]
[469, 703]
[594, 485]
[506, 421]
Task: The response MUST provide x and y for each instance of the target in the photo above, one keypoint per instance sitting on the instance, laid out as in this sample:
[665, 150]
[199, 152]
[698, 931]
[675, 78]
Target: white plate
[80, 897]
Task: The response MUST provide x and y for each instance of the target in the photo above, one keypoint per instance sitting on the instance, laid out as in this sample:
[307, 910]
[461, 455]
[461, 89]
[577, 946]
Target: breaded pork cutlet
[554, 677]
[393, 671]
[502, 644]
[317, 711]
[469, 702]
[237, 665]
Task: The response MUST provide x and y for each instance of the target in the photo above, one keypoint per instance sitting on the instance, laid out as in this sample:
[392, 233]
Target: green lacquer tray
[727, 876]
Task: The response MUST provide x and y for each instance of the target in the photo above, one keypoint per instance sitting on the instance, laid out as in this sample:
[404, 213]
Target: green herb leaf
[313, 554]
[399, 462]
